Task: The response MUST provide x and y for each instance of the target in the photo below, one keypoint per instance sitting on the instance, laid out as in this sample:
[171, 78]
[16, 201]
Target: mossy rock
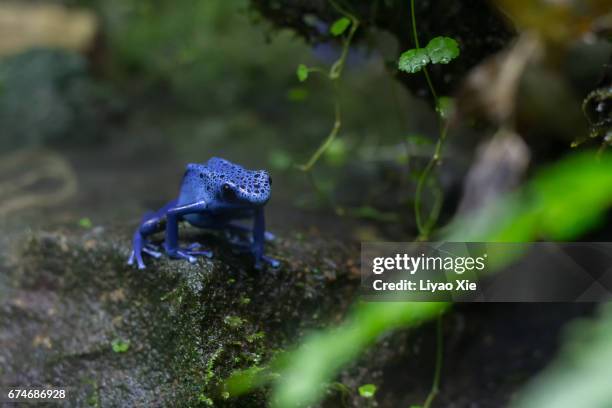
[73, 314]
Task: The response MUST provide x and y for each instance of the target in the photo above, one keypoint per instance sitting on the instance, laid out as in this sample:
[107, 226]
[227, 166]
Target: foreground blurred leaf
[581, 375]
[560, 203]
[322, 355]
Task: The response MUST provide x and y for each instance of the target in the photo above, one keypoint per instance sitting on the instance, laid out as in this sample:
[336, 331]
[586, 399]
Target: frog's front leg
[151, 223]
[259, 239]
[173, 216]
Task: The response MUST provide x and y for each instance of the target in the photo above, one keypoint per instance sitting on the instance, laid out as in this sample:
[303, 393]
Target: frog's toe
[190, 253]
[194, 249]
[193, 246]
[182, 254]
[153, 247]
[155, 254]
[268, 236]
[136, 255]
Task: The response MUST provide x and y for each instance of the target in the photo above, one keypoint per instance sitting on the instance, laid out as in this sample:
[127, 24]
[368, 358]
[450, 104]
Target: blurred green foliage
[580, 377]
[212, 77]
[545, 207]
[47, 97]
[563, 201]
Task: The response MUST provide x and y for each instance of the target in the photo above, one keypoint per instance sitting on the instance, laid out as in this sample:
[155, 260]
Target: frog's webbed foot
[189, 253]
[141, 247]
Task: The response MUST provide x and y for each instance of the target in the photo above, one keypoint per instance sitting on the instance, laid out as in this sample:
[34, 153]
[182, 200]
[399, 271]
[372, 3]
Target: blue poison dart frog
[213, 195]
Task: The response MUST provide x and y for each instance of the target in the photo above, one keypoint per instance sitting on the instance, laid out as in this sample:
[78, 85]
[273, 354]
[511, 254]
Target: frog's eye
[269, 180]
[228, 191]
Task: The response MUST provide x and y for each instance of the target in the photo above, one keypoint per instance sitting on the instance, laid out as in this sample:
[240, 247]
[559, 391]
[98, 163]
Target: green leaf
[442, 50]
[120, 346]
[367, 390]
[302, 72]
[413, 60]
[445, 106]
[85, 223]
[339, 26]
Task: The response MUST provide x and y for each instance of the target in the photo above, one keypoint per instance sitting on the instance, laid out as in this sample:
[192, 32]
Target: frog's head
[233, 186]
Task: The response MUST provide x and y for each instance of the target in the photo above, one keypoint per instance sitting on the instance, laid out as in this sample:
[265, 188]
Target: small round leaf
[413, 60]
[441, 50]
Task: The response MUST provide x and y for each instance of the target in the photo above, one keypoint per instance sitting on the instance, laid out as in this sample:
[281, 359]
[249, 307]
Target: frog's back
[225, 167]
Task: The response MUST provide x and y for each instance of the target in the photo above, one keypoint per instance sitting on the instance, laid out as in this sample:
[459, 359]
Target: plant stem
[416, 43]
[425, 227]
[435, 387]
[329, 139]
[334, 75]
